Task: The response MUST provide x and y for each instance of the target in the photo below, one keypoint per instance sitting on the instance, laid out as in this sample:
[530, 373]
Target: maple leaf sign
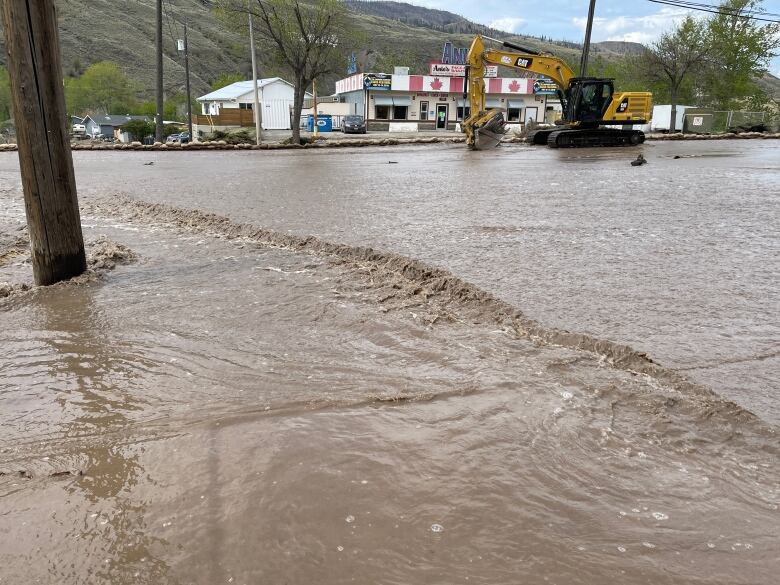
[514, 86]
[436, 83]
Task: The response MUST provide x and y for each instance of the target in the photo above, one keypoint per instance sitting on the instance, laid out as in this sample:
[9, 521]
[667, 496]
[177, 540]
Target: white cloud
[637, 29]
[509, 24]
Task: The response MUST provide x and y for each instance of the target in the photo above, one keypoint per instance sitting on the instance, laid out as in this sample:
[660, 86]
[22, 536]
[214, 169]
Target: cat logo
[623, 106]
[523, 62]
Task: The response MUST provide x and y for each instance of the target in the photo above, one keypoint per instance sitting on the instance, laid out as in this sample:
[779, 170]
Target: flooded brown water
[242, 404]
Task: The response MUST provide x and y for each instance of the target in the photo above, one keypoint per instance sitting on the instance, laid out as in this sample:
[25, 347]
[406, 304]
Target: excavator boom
[587, 103]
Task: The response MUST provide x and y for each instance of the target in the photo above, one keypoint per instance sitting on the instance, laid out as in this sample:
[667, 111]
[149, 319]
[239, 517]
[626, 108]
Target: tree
[139, 129]
[149, 108]
[103, 88]
[673, 58]
[226, 79]
[743, 48]
[309, 39]
[5, 95]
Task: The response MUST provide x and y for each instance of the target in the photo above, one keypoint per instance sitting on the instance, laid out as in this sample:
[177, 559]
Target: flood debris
[103, 255]
[455, 139]
[400, 283]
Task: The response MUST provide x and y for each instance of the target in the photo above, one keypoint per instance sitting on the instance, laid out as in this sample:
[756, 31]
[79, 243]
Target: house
[109, 125]
[232, 105]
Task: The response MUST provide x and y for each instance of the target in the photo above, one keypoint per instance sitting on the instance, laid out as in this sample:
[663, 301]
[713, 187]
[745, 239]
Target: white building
[232, 105]
[427, 102]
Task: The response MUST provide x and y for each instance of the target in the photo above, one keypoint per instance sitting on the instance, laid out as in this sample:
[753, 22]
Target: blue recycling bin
[324, 123]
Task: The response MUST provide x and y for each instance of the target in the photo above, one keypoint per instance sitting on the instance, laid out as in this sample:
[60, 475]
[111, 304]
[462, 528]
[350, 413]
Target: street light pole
[256, 107]
[314, 90]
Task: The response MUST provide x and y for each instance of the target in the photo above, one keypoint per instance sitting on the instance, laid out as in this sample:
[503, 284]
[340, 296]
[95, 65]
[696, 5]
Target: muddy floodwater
[399, 365]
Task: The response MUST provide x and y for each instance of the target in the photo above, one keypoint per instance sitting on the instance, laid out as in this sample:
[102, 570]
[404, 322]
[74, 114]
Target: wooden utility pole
[586, 44]
[187, 82]
[257, 111]
[158, 119]
[45, 160]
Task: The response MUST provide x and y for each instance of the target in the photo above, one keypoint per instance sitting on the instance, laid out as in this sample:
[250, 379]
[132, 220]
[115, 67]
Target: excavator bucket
[489, 130]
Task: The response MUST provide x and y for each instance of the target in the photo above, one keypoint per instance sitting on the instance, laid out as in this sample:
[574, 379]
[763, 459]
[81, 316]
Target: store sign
[448, 70]
[452, 55]
[377, 81]
[545, 87]
[352, 64]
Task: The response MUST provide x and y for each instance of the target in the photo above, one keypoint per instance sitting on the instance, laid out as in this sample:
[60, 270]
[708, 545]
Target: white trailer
[662, 117]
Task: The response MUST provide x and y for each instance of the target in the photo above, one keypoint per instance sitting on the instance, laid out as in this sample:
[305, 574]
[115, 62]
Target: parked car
[353, 125]
[79, 129]
[184, 137]
[173, 138]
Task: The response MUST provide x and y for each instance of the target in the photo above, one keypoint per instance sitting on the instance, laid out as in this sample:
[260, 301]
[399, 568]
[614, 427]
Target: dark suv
[353, 125]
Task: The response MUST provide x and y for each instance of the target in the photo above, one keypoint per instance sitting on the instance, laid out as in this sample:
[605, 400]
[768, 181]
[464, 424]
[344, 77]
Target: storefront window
[513, 114]
[423, 111]
[399, 112]
[382, 112]
[460, 112]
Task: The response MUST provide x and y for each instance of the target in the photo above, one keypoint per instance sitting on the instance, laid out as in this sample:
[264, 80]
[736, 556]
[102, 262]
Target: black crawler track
[583, 138]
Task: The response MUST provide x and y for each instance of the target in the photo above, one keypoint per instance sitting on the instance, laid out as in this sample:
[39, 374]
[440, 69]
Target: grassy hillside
[122, 31]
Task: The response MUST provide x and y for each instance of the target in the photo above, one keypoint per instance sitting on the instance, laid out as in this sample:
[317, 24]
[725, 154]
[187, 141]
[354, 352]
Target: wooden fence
[227, 117]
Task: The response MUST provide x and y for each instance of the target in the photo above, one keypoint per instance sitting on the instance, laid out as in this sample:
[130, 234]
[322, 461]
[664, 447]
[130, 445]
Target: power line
[168, 20]
[718, 10]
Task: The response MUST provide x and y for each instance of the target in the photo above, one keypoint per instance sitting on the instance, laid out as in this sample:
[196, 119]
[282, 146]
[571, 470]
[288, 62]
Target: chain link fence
[725, 121]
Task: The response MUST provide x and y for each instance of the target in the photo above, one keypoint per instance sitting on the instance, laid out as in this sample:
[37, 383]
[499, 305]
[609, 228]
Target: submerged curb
[222, 145]
[725, 136]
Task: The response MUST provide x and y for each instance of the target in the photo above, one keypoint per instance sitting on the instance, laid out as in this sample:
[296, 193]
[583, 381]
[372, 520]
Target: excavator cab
[586, 101]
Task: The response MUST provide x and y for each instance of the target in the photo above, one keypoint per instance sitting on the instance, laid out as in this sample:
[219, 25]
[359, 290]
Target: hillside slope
[123, 31]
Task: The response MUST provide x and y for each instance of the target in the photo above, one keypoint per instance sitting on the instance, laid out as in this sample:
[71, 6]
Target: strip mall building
[427, 102]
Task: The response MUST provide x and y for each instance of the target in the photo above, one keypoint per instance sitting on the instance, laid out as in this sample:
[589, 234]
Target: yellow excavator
[588, 103]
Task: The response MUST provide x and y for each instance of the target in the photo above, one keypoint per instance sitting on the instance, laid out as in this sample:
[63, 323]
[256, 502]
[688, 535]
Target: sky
[624, 20]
